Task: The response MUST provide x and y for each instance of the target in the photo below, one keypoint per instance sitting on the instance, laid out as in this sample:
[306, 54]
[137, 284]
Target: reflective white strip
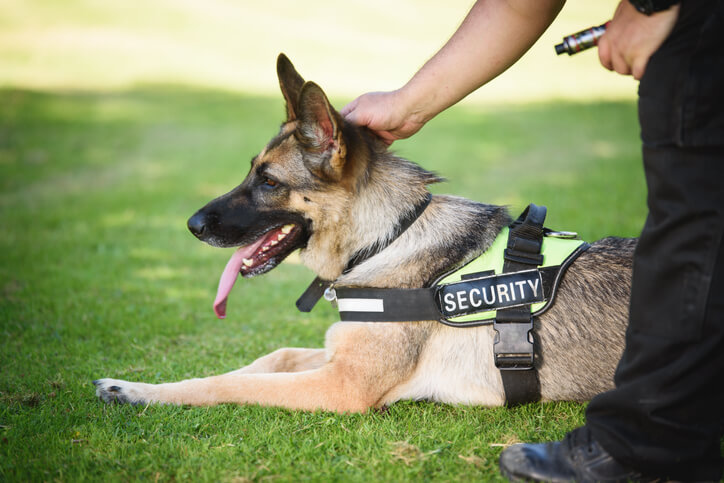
[360, 305]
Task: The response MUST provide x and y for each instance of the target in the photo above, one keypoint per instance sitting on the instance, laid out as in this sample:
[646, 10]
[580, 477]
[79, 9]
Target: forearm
[493, 36]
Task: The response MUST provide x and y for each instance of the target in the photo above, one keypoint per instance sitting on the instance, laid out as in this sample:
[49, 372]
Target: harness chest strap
[514, 349]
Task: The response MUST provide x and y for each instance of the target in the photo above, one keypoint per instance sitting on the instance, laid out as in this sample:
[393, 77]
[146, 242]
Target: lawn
[99, 277]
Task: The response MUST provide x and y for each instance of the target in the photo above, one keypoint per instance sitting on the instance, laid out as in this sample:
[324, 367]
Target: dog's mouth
[256, 258]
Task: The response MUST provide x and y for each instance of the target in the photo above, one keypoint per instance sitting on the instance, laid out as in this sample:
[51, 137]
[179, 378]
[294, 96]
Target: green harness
[557, 250]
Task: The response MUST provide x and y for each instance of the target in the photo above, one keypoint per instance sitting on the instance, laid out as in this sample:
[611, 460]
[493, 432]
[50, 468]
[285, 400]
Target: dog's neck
[406, 220]
[390, 200]
[450, 231]
[390, 192]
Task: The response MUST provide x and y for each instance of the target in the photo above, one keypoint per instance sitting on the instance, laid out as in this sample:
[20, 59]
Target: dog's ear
[291, 84]
[320, 134]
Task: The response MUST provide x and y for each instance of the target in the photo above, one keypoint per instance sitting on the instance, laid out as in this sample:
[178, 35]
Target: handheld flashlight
[585, 39]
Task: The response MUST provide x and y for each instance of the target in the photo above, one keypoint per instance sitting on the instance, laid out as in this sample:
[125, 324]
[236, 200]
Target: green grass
[100, 278]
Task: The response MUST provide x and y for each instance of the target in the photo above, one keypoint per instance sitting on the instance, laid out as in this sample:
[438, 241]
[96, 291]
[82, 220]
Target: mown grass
[100, 278]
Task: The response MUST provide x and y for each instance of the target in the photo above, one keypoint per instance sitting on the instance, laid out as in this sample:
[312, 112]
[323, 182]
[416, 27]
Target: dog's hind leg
[289, 359]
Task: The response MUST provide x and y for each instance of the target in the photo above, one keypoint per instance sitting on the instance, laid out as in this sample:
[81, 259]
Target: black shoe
[577, 458]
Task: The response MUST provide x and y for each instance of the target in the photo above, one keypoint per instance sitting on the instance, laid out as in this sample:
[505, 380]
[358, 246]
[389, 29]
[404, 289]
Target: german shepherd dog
[331, 189]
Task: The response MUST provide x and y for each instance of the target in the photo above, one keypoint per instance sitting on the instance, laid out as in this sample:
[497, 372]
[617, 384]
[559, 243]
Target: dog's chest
[455, 367]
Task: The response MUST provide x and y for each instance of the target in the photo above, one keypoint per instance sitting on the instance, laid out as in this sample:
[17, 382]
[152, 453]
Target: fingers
[386, 137]
[638, 68]
[352, 114]
[611, 56]
[349, 108]
[355, 114]
[604, 52]
[383, 114]
[619, 62]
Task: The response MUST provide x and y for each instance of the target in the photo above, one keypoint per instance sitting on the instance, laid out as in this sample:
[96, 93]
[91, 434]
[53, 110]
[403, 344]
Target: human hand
[387, 114]
[632, 37]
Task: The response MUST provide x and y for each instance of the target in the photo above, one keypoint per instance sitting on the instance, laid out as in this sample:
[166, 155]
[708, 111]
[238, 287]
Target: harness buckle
[513, 346]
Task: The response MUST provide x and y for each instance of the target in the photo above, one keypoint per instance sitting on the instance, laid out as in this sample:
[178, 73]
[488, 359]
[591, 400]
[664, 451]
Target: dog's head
[295, 191]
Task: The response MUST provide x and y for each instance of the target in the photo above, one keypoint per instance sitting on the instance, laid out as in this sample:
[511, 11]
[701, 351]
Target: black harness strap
[513, 348]
[413, 304]
[310, 297]
[316, 289]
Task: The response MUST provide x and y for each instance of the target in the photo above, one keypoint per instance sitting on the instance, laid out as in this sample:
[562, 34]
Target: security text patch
[490, 293]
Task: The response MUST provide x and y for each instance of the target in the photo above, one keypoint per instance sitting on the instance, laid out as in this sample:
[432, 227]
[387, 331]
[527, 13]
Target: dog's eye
[270, 183]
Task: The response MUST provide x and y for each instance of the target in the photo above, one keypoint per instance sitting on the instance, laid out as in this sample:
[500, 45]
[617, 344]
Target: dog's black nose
[197, 224]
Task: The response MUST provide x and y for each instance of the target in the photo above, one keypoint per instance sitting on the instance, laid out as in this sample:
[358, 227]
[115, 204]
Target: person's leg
[669, 384]
[664, 417]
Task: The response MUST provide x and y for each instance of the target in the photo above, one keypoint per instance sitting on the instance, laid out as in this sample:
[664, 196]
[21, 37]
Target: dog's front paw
[117, 391]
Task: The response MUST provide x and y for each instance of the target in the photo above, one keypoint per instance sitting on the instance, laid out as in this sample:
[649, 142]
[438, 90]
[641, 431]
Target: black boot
[577, 458]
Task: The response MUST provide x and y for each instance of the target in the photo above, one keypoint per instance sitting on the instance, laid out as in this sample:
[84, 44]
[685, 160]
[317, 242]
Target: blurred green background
[349, 47]
[119, 119]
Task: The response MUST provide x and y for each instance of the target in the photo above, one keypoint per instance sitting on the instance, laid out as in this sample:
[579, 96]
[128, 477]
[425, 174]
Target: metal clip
[330, 294]
[568, 235]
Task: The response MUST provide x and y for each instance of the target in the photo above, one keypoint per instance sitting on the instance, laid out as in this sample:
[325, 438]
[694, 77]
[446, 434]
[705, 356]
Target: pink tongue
[228, 278]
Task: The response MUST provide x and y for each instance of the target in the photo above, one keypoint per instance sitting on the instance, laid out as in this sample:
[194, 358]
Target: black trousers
[665, 416]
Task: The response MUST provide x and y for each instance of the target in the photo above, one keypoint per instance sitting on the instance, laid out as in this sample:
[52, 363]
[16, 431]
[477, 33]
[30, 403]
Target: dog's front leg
[281, 360]
[332, 387]
[365, 362]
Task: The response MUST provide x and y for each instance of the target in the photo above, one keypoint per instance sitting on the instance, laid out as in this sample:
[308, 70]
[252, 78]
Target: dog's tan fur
[352, 192]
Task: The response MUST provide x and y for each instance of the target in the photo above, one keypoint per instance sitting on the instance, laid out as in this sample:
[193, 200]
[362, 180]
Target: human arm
[491, 38]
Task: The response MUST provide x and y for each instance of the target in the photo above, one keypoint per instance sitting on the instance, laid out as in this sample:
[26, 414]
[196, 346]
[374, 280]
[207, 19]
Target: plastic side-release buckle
[513, 346]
